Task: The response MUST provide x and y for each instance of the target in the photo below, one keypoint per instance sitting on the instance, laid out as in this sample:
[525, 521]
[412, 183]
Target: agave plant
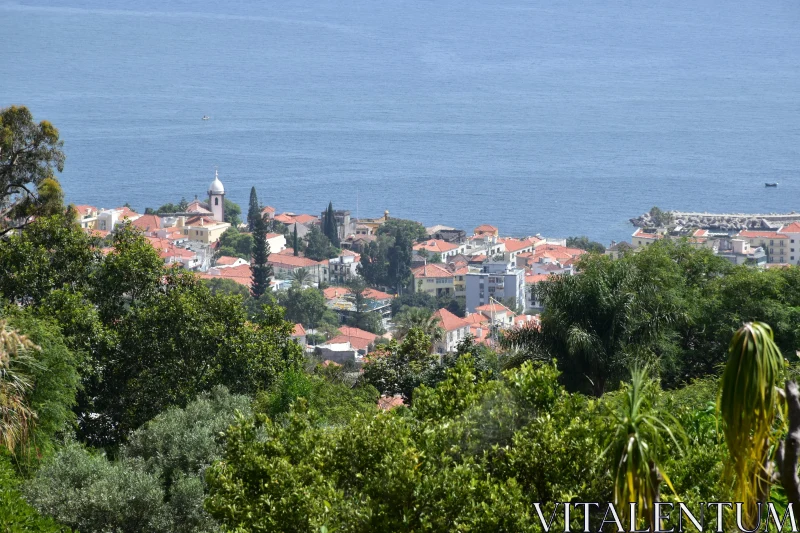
[749, 404]
[639, 436]
[16, 417]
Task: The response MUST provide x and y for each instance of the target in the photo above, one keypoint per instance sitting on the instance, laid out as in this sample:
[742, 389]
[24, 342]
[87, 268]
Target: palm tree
[422, 319]
[749, 404]
[300, 276]
[16, 416]
[639, 435]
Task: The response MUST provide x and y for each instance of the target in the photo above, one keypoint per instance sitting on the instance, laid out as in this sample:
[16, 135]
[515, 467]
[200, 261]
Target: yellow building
[775, 245]
[435, 280]
[203, 229]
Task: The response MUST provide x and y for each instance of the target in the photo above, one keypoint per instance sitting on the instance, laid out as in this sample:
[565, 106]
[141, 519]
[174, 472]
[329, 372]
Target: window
[771, 242]
[216, 201]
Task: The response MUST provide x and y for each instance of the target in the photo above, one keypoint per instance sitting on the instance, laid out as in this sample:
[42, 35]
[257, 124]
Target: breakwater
[721, 222]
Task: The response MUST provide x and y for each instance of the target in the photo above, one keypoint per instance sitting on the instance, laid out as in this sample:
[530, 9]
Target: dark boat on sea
[771, 184]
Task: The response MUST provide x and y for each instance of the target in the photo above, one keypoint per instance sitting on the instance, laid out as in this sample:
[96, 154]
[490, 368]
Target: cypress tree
[329, 227]
[295, 242]
[253, 212]
[262, 271]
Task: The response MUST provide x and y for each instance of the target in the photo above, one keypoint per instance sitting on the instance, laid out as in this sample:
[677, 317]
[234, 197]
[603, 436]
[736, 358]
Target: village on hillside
[489, 280]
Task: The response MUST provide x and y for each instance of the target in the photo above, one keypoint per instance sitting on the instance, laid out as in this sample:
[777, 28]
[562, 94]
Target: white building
[495, 280]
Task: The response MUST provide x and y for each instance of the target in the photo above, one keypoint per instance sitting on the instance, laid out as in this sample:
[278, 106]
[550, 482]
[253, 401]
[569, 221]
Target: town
[477, 284]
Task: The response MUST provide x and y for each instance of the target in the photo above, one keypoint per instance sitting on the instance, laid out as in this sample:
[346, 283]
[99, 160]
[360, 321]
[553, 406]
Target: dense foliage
[136, 398]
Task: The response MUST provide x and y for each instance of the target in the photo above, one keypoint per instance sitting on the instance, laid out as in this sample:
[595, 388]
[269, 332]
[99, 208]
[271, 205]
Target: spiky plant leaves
[638, 438]
[749, 403]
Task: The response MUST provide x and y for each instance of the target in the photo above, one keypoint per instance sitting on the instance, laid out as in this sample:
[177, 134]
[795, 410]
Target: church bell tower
[216, 198]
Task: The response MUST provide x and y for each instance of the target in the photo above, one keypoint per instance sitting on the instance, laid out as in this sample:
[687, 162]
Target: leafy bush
[156, 485]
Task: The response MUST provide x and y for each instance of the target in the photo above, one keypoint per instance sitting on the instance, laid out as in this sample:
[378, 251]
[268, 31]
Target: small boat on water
[771, 184]
[206, 117]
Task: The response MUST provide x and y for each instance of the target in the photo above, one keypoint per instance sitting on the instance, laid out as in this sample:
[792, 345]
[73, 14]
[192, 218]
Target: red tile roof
[640, 233]
[96, 233]
[476, 318]
[335, 292]
[147, 223]
[356, 342]
[449, 321]
[291, 218]
[485, 228]
[794, 227]
[493, 308]
[762, 234]
[226, 260]
[267, 209]
[536, 278]
[390, 402]
[348, 331]
[436, 246]
[514, 245]
[240, 274]
[299, 330]
[431, 271]
[196, 206]
[375, 294]
[84, 210]
[127, 212]
[291, 261]
[201, 220]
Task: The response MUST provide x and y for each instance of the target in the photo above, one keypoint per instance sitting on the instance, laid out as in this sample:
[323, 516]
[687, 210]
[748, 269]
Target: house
[434, 279]
[343, 268]
[358, 242]
[87, 216]
[460, 281]
[149, 224]
[645, 237]
[351, 344]
[241, 274]
[227, 261]
[373, 223]
[109, 219]
[792, 231]
[276, 242]
[447, 234]
[342, 301]
[774, 243]
[443, 248]
[486, 229]
[204, 229]
[268, 212]
[533, 296]
[739, 252]
[174, 255]
[299, 334]
[196, 207]
[616, 249]
[495, 281]
[455, 328]
[514, 247]
[283, 266]
[497, 314]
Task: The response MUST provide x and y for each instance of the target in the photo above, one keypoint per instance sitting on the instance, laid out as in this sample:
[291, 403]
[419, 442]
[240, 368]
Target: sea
[556, 117]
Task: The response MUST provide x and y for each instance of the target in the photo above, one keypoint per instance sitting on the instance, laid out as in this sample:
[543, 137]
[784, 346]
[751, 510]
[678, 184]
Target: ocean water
[556, 117]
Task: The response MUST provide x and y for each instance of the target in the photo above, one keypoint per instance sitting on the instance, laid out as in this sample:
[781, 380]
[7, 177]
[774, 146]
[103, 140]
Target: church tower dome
[216, 198]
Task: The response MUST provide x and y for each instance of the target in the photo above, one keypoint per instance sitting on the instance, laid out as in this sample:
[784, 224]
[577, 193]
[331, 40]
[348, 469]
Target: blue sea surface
[555, 117]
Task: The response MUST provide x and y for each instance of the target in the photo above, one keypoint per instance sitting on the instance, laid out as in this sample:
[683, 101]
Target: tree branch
[789, 450]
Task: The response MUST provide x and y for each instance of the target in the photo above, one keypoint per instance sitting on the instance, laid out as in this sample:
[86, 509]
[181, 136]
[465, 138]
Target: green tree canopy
[29, 155]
